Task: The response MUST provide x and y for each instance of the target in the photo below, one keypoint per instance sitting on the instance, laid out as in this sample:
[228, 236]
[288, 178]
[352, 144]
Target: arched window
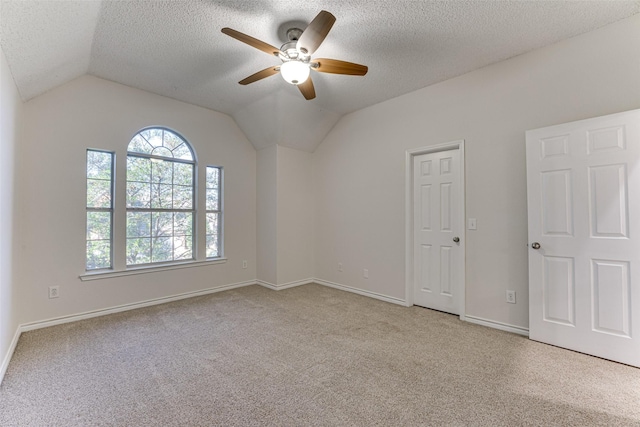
[161, 170]
[160, 215]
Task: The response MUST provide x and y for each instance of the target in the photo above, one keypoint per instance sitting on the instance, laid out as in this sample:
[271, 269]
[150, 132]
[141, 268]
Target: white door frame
[410, 154]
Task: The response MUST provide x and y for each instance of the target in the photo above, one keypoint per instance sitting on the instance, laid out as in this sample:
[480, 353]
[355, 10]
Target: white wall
[10, 121]
[93, 113]
[295, 216]
[267, 202]
[359, 170]
[285, 215]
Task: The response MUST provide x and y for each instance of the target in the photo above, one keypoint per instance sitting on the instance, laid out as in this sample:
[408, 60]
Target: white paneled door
[437, 231]
[583, 186]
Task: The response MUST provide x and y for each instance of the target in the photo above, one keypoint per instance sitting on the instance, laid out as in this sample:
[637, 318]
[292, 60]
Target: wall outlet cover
[54, 291]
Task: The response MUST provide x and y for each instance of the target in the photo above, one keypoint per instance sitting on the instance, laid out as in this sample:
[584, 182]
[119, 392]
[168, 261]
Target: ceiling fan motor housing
[289, 51]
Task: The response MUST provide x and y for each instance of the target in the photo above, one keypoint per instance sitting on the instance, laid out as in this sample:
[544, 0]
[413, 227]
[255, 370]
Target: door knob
[535, 245]
[456, 239]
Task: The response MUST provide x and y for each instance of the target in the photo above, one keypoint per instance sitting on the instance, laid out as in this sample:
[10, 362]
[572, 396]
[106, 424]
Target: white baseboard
[125, 307]
[9, 355]
[497, 325]
[360, 291]
[267, 284]
[284, 285]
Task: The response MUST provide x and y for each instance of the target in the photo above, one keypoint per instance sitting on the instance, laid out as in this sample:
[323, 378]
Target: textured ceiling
[176, 49]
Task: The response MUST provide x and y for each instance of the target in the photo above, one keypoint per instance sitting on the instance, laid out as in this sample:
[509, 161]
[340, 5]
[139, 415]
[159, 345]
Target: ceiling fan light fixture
[295, 72]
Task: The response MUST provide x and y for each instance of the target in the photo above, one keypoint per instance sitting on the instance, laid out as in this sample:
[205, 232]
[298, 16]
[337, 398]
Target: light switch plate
[472, 224]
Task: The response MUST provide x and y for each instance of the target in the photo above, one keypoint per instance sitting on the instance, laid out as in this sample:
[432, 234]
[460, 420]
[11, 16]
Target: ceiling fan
[295, 55]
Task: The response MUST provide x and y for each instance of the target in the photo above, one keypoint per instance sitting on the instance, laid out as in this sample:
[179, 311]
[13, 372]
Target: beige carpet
[310, 355]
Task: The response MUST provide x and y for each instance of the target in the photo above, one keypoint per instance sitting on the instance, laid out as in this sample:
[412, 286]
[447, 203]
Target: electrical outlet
[340, 266]
[54, 291]
[365, 273]
[244, 263]
[511, 297]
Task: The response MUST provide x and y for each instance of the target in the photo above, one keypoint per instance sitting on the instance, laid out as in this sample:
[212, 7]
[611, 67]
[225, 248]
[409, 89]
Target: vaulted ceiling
[176, 49]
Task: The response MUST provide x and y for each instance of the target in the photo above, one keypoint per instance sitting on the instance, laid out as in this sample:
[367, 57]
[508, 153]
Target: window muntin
[160, 198]
[161, 142]
[214, 211]
[99, 225]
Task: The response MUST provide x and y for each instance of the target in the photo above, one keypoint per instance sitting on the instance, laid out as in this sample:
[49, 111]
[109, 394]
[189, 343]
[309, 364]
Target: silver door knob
[456, 239]
[535, 245]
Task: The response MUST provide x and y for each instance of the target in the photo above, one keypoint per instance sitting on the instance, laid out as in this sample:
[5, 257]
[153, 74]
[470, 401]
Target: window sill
[149, 269]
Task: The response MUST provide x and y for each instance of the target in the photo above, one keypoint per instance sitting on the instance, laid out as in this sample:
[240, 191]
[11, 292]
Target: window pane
[138, 224]
[213, 188]
[171, 140]
[138, 169]
[182, 197]
[162, 224]
[139, 145]
[138, 195]
[212, 223]
[146, 134]
[138, 251]
[212, 246]
[213, 177]
[162, 249]
[162, 151]
[182, 248]
[212, 200]
[99, 165]
[161, 196]
[183, 223]
[98, 194]
[213, 234]
[162, 171]
[182, 152]
[98, 254]
[154, 136]
[98, 225]
[183, 174]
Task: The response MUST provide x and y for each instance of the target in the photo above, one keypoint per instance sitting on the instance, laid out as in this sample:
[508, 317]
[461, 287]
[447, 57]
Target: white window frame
[199, 231]
[110, 209]
[219, 211]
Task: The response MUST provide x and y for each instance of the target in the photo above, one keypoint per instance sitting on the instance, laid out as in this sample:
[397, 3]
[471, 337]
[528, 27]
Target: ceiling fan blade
[307, 89]
[315, 32]
[335, 66]
[251, 41]
[260, 75]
